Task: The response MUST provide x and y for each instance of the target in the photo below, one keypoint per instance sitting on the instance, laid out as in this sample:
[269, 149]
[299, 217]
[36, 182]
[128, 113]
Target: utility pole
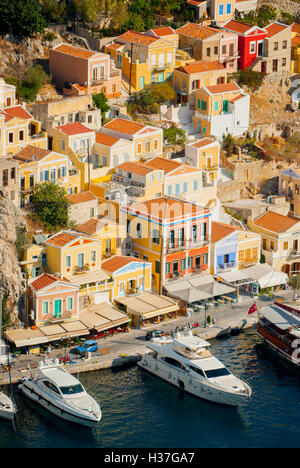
[130, 69]
[26, 301]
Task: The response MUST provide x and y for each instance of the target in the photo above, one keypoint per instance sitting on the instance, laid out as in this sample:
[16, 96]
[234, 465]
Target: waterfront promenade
[128, 348]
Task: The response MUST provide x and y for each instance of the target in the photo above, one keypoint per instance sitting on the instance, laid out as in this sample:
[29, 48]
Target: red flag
[252, 309]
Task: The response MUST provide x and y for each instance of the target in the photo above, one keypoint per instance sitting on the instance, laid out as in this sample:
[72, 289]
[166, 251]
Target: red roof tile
[124, 126]
[275, 28]
[81, 197]
[221, 230]
[223, 88]
[137, 38]
[275, 222]
[115, 263]
[16, 111]
[106, 140]
[197, 31]
[75, 51]
[74, 129]
[43, 281]
[31, 153]
[198, 67]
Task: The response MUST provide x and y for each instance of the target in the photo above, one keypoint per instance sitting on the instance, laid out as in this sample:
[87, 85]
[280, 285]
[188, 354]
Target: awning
[25, 337]
[102, 317]
[237, 277]
[87, 278]
[266, 276]
[197, 288]
[148, 305]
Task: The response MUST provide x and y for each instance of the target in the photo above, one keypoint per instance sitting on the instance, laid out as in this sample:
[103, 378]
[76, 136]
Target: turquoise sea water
[140, 410]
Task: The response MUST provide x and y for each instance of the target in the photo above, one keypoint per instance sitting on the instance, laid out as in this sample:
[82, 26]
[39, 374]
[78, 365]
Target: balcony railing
[225, 267]
[186, 245]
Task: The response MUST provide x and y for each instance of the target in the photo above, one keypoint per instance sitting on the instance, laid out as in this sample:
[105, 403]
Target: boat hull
[278, 351]
[32, 391]
[8, 415]
[199, 389]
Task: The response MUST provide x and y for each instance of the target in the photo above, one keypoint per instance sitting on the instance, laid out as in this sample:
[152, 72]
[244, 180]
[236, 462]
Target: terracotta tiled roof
[16, 111]
[115, 45]
[275, 222]
[74, 129]
[94, 225]
[169, 165]
[135, 168]
[195, 2]
[62, 238]
[124, 126]
[43, 281]
[203, 142]
[221, 230]
[31, 153]
[275, 28]
[296, 28]
[167, 31]
[223, 88]
[167, 209]
[198, 67]
[81, 197]
[296, 41]
[75, 51]
[197, 31]
[115, 263]
[105, 140]
[137, 38]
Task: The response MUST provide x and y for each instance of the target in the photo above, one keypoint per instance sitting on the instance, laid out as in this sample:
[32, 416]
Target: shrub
[163, 92]
[252, 79]
[175, 136]
[101, 102]
[22, 241]
[50, 205]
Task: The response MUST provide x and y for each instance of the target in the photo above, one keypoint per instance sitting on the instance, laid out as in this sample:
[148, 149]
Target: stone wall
[289, 6]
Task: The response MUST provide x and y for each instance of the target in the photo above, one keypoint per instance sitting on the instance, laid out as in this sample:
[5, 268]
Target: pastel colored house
[110, 151]
[222, 109]
[147, 140]
[276, 54]
[141, 181]
[204, 153]
[52, 299]
[179, 180]
[18, 129]
[192, 76]
[77, 258]
[280, 241]
[233, 248]
[76, 136]
[79, 71]
[295, 58]
[208, 44]
[34, 262]
[250, 41]
[144, 58]
[129, 276]
[111, 234]
[171, 234]
[84, 206]
[217, 10]
[37, 165]
[7, 94]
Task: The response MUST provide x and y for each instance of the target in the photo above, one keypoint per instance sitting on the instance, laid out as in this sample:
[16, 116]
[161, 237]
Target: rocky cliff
[11, 280]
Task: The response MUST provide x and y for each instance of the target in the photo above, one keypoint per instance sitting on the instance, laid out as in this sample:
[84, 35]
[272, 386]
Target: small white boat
[187, 363]
[62, 394]
[8, 408]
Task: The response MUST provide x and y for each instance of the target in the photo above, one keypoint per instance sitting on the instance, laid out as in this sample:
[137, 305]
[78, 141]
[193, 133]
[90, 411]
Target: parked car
[87, 346]
[155, 334]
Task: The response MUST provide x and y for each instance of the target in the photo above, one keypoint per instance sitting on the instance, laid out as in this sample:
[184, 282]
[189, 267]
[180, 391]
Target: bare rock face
[12, 284]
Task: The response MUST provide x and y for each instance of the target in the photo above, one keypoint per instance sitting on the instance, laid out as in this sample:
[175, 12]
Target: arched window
[139, 230]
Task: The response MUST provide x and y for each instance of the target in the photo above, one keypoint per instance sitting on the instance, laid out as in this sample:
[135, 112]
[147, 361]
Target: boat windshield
[213, 373]
[71, 389]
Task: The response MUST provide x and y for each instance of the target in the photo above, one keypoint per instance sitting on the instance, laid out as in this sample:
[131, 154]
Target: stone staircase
[224, 175]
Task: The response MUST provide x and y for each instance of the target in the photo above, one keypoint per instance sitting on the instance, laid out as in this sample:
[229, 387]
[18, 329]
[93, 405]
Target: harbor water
[140, 410]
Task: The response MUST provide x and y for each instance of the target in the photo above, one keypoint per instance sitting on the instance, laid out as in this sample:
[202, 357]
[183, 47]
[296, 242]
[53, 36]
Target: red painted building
[250, 41]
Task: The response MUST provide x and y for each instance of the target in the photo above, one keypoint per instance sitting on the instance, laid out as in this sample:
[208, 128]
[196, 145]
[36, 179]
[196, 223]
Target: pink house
[52, 299]
[229, 53]
[79, 71]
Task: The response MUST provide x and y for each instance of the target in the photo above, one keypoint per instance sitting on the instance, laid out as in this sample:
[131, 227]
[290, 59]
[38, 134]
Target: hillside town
[152, 179]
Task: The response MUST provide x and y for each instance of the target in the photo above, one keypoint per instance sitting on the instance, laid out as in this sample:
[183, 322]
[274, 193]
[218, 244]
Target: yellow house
[37, 165]
[280, 240]
[289, 186]
[144, 58]
[7, 94]
[129, 275]
[34, 260]
[204, 154]
[111, 234]
[77, 258]
[18, 129]
[147, 140]
[295, 61]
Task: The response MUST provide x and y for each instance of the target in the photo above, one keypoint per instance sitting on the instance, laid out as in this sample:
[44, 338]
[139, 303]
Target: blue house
[224, 247]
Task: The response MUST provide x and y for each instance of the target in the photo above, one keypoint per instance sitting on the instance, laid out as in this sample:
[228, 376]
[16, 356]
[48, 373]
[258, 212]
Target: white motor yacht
[187, 363]
[61, 394]
[8, 408]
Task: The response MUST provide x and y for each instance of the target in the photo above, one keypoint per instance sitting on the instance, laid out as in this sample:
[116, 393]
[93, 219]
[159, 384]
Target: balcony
[179, 247]
[293, 254]
[81, 269]
[161, 66]
[225, 267]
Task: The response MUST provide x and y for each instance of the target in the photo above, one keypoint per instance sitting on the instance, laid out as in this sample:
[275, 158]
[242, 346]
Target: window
[157, 266]
[151, 178]
[93, 256]
[228, 8]
[221, 10]
[197, 370]
[72, 389]
[168, 268]
[190, 262]
[155, 236]
[183, 264]
[21, 135]
[63, 145]
[208, 52]
[70, 303]
[139, 230]
[139, 148]
[31, 181]
[153, 59]
[11, 137]
[45, 307]
[285, 246]
[283, 62]
[216, 106]
[216, 50]
[203, 105]
[252, 47]
[213, 373]
[195, 185]
[275, 45]
[92, 212]
[185, 185]
[205, 258]
[241, 255]
[169, 189]
[284, 44]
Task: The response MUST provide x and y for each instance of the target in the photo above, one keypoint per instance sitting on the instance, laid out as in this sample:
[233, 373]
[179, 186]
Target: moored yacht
[8, 408]
[187, 363]
[61, 394]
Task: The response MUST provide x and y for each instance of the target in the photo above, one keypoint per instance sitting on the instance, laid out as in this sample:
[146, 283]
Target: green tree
[21, 17]
[252, 79]
[50, 205]
[175, 136]
[22, 241]
[163, 92]
[34, 80]
[101, 102]
[54, 11]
